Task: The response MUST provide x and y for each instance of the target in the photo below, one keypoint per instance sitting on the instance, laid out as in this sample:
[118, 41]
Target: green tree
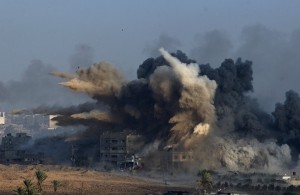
[206, 181]
[41, 176]
[19, 191]
[56, 184]
[29, 187]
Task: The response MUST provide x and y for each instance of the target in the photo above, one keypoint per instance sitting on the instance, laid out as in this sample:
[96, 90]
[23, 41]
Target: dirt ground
[82, 181]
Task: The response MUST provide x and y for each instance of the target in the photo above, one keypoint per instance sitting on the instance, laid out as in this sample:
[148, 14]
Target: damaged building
[33, 124]
[13, 150]
[120, 149]
[113, 148]
[171, 158]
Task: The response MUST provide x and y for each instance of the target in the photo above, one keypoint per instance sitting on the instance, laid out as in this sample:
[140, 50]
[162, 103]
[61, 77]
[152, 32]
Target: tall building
[113, 147]
[116, 148]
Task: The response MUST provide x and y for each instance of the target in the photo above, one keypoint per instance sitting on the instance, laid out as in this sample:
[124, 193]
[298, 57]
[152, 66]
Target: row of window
[114, 148]
[114, 141]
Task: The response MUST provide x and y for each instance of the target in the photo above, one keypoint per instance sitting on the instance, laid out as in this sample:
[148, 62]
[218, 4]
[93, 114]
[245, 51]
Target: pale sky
[119, 30]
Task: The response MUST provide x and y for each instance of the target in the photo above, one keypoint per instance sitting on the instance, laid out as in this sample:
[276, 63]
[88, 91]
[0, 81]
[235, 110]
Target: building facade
[12, 149]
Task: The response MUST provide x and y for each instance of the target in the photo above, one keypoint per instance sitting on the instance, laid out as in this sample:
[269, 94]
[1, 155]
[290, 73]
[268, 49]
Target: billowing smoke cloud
[195, 104]
[176, 102]
[100, 80]
[253, 155]
[287, 121]
[193, 107]
[189, 98]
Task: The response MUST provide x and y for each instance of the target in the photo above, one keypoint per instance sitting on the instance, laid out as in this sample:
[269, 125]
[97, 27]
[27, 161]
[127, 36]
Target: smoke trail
[95, 114]
[62, 75]
[99, 81]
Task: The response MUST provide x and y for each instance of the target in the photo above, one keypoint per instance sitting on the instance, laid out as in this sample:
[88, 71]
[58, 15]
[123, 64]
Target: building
[170, 159]
[2, 118]
[12, 149]
[179, 159]
[29, 121]
[113, 147]
[33, 124]
[10, 142]
[117, 148]
[52, 123]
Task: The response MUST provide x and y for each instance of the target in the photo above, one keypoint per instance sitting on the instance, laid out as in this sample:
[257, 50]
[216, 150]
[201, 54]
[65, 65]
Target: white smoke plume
[251, 155]
[195, 104]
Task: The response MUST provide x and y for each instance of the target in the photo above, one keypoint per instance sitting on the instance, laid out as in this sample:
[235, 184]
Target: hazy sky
[123, 32]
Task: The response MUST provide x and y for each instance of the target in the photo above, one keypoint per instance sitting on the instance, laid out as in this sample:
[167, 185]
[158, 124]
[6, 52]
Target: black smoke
[287, 121]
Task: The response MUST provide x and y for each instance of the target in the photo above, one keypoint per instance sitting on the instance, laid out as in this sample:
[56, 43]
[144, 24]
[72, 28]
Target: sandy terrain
[81, 181]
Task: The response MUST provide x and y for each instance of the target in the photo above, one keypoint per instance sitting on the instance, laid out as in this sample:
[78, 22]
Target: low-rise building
[13, 149]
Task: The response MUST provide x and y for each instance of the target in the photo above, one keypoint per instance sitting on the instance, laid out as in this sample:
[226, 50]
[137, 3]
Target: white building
[52, 123]
[2, 118]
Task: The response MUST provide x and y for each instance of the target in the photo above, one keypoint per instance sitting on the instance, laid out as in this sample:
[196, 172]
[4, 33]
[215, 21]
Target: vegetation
[41, 176]
[206, 182]
[56, 184]
[19, 191]
[29, 188]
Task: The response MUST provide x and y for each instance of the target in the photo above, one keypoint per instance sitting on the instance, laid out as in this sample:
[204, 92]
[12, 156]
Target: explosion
[193, 107]
[189, 98]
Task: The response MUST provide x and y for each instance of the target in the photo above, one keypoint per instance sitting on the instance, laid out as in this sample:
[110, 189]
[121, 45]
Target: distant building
[2, 118]
[180, 158]
[29, 121]
[286, 177]
[119, 147]
[10, 142]
[171, 158]
[113, 147]
[33, 124]
[52, 123]
[12, 149]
